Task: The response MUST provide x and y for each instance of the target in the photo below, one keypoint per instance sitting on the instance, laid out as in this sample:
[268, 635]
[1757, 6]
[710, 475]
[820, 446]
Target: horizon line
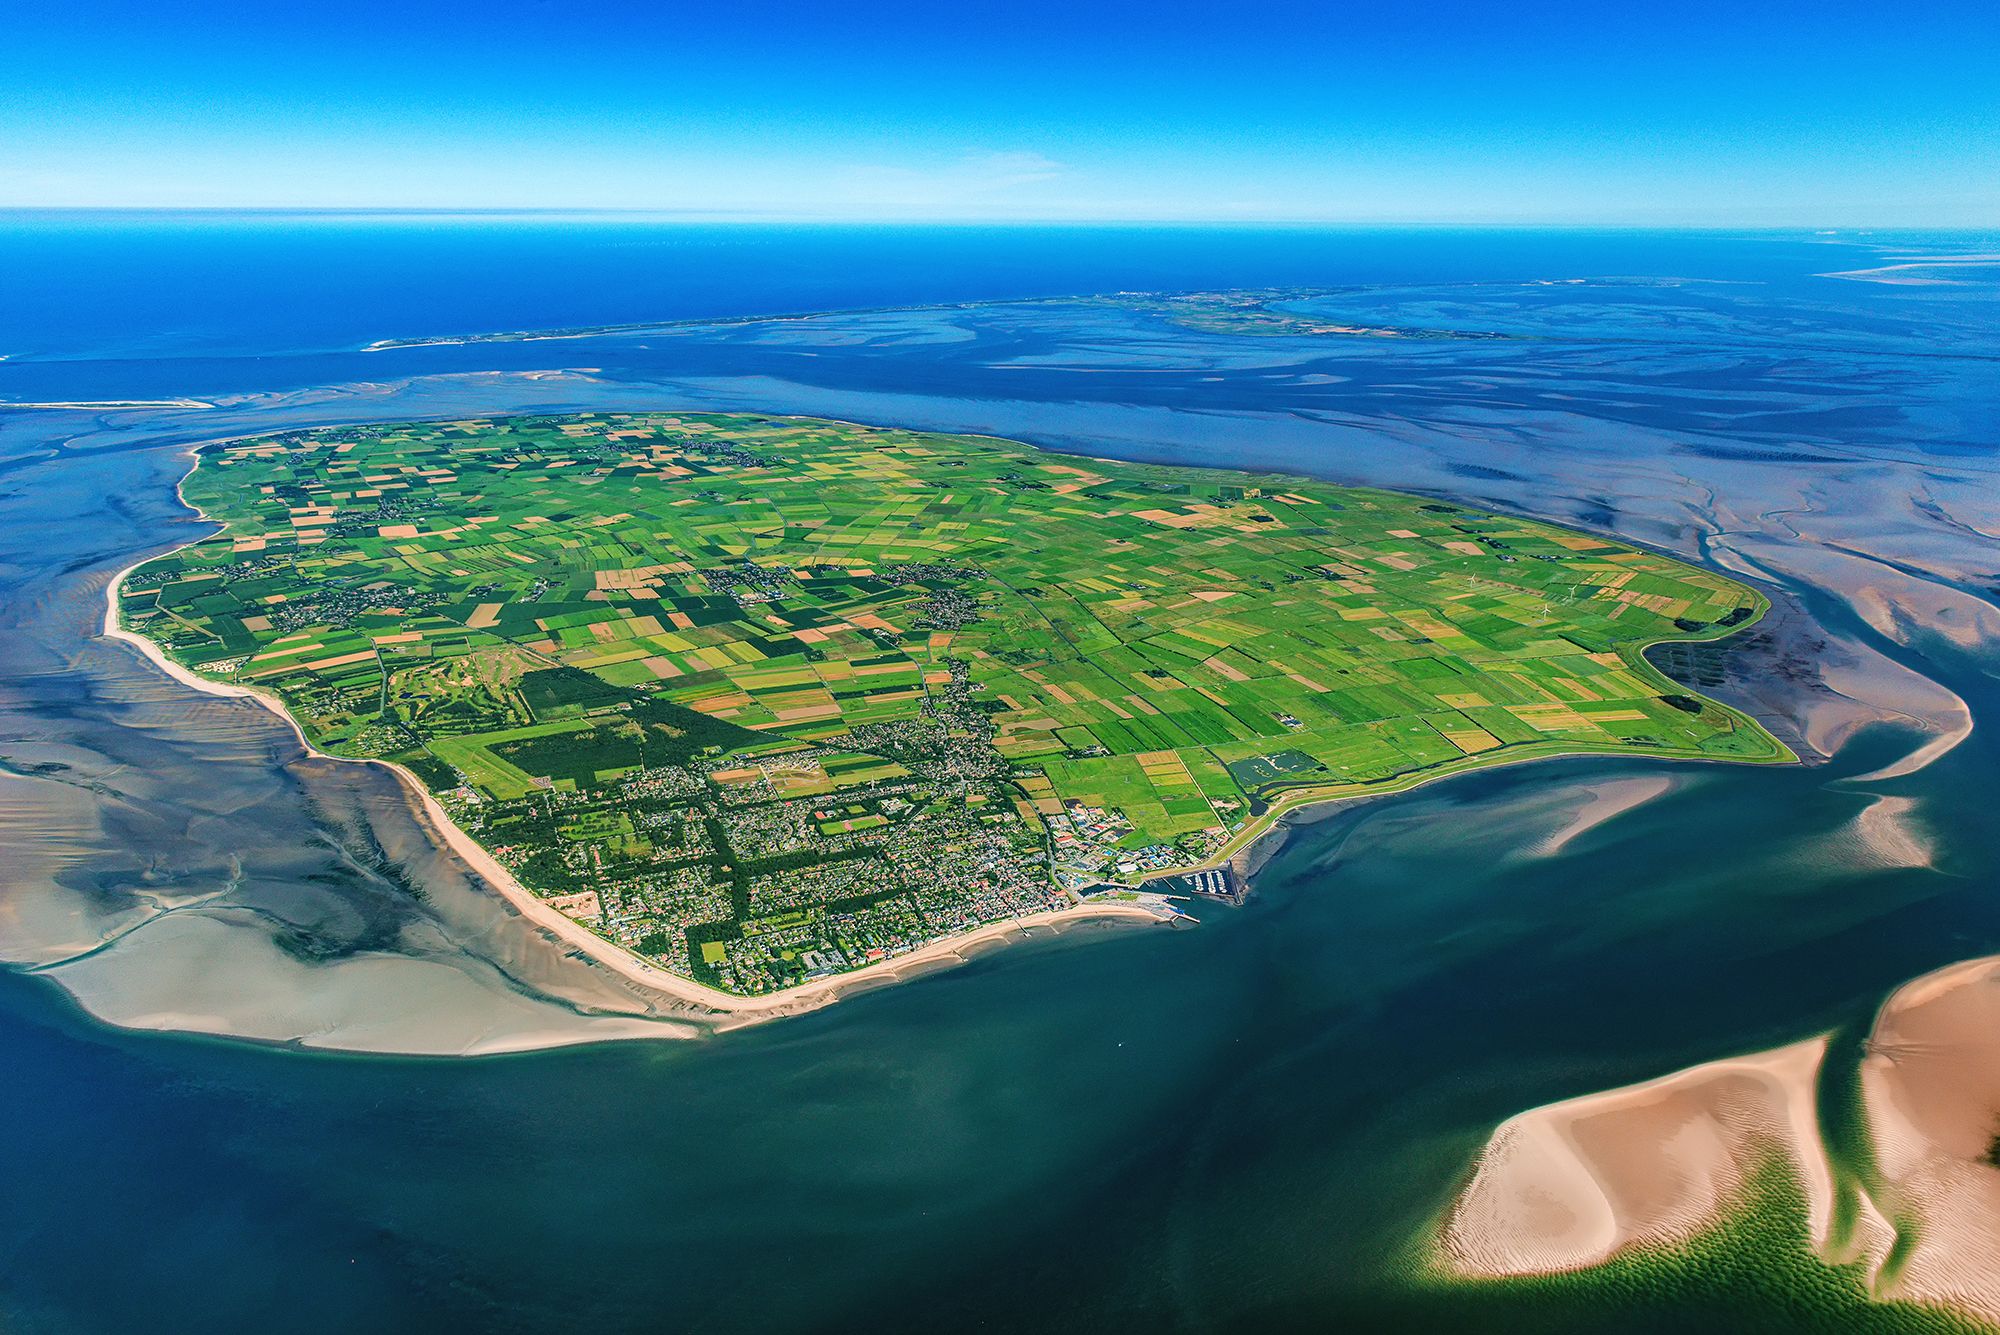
[753, 217]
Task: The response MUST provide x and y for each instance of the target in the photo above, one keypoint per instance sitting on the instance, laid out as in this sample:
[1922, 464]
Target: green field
[766, 699]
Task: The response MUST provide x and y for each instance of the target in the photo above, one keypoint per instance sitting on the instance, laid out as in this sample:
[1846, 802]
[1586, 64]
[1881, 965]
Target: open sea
[1249, 1125]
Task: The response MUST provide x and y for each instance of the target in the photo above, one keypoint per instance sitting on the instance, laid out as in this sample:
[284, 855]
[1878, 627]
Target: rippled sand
[1931, 1090]
[1575, 1184]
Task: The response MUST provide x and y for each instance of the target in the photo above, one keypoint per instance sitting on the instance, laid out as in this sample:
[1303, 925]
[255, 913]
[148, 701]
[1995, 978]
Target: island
[758, 701]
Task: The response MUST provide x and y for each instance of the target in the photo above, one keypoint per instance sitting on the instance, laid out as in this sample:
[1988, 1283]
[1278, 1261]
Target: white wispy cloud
[1017, 177]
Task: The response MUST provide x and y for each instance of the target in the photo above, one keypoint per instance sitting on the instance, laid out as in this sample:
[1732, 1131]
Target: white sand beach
[805, 996]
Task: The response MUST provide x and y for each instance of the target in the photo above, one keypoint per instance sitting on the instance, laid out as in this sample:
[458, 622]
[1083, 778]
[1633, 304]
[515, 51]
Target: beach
[728, 1008]
[239, 977]
[572, 935]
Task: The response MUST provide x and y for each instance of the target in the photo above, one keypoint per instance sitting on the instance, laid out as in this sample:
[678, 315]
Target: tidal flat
[1255, 1124]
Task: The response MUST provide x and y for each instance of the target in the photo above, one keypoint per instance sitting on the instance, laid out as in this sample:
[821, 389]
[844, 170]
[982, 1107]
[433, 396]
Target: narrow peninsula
[758, 702]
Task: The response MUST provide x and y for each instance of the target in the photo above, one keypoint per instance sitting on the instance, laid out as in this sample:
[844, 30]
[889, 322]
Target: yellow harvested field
[827, 710]
[1548, 718]
[339, 660]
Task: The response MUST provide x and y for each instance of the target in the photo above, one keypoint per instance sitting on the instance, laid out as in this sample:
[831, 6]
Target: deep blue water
[139, 285]
[1244, 1126]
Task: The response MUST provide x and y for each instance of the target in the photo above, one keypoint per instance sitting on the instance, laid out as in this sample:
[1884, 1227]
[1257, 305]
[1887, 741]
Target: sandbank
[1603, 801]
[1573, 1184]
[1930, 1087]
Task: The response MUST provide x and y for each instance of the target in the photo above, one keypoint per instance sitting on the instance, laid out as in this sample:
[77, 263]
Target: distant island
[760, 702]
[1268, 312]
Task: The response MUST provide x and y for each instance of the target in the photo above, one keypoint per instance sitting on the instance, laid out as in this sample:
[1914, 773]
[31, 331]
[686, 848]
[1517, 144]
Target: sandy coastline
[804, 996]
[819, 992]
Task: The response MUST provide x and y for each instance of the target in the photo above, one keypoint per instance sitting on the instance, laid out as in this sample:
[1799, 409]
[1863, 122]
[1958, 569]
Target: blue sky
[1754, 112]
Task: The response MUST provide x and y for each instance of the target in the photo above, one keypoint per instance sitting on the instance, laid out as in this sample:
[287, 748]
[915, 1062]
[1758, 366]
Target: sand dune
[1573, 1184]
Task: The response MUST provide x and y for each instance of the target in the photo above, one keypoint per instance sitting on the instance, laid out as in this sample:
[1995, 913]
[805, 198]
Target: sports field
[768, 699]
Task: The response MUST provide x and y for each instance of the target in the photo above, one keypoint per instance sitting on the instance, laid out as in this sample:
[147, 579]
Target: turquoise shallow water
[1247, 1125]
